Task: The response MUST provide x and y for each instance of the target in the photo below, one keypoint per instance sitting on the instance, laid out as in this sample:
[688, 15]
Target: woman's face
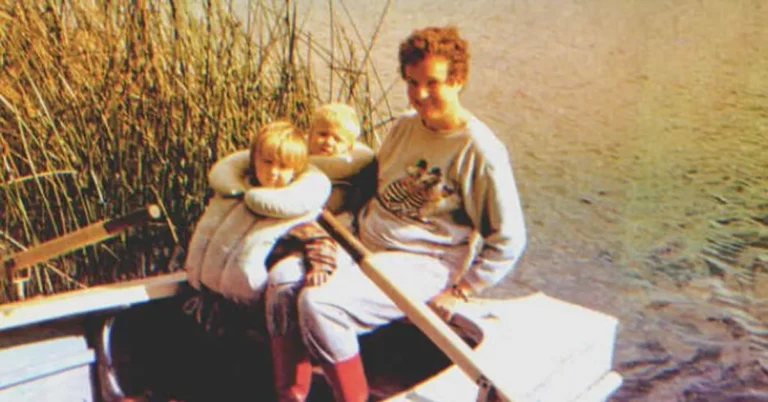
[429, 92]
[271, 173]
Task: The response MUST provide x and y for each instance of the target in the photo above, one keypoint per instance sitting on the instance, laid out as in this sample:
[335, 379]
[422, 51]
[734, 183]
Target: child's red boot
[292, 369]
[347, 379]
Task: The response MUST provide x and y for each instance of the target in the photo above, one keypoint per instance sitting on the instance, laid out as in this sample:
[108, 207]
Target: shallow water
[638, 131]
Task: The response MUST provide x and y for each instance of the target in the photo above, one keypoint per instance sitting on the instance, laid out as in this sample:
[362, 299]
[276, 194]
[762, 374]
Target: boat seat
[542, 349]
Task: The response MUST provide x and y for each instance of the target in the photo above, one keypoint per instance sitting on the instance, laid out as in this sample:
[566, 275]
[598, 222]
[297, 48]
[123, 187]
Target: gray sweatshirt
[435, 188]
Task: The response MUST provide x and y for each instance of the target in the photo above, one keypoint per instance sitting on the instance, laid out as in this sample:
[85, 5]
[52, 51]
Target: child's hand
[316, 277]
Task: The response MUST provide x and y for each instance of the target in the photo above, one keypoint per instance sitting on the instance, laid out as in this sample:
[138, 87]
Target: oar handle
[417, 312]
[79, 238]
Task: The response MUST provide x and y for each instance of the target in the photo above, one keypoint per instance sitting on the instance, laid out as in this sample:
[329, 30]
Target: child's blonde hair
[342, 116]
[283, 142]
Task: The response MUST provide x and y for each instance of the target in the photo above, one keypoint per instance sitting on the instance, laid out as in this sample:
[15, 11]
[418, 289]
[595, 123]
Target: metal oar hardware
[423, 317]
[486, 391]
[17, 267]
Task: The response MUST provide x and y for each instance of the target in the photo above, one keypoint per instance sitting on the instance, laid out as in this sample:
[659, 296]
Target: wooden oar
[486, 375]
[13, 266]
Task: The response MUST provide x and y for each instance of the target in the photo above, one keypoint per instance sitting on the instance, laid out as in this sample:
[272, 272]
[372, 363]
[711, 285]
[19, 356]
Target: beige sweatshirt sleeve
[493, 204]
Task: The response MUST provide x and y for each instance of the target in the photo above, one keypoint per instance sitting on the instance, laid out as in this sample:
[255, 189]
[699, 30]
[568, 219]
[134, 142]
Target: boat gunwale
[469, 321]
[94, 299]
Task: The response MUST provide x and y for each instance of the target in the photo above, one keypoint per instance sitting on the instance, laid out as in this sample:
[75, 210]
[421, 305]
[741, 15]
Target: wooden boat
[131, 341]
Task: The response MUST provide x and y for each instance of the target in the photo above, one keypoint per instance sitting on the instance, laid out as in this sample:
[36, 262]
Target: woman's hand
[444, 304]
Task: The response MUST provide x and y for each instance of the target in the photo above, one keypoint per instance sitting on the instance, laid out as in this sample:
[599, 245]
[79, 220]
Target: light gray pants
[330, 317]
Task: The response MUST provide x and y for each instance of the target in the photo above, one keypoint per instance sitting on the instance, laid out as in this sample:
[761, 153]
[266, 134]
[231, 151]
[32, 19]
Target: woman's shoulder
[405, 125]
[483, 141]
[408, 117]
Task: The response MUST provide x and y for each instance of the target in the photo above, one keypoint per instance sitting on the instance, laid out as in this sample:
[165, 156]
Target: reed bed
[108, 106]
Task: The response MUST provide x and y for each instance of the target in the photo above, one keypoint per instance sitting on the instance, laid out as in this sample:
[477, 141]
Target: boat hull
[548, 350]
[155, 350]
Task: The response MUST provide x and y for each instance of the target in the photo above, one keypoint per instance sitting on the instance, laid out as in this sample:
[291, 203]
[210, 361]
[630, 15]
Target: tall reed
[108, 106]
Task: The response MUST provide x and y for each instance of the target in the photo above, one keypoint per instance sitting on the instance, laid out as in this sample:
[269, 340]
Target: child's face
[271, 173]
[325, 138]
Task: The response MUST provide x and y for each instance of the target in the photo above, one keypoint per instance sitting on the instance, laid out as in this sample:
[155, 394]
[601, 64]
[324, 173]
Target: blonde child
[334, 148]
[334, 128]
[229, 249]
[265, 209]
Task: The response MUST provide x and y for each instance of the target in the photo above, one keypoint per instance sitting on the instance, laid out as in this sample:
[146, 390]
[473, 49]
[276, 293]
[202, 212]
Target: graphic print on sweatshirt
[421, 193]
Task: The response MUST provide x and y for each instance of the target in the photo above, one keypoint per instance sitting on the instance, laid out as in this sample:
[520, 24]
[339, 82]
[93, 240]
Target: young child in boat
[334, 149]
[228, 252]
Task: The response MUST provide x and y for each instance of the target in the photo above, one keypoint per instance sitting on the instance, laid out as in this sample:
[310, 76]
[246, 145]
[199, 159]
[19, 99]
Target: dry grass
[107, 107]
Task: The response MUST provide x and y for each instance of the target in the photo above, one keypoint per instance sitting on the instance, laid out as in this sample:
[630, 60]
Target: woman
[442, 175]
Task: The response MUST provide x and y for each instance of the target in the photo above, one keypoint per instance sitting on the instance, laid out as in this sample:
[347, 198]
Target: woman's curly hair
[441, 41]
